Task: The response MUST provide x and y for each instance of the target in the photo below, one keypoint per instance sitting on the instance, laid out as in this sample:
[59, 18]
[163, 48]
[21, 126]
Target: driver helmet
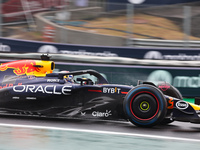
[68, 78]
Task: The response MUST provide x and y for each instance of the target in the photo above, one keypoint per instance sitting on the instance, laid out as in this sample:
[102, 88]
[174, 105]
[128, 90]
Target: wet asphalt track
[175, 129]
[46, 134]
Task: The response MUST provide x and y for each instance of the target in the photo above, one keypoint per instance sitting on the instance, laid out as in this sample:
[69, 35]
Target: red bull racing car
[30, 88]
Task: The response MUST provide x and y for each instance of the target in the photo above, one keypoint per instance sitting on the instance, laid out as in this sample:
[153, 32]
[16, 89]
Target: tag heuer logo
[153, 55]
[48, 49]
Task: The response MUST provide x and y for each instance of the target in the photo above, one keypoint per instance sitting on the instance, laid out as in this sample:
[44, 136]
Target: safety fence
[99, 17]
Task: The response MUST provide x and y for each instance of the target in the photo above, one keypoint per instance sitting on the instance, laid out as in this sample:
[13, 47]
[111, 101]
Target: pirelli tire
[145, 106]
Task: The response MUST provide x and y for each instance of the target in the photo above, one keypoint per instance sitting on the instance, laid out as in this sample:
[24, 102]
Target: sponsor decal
[15, 97]
[170, 103]
[84, 52]
[53, 49]
[101, 114]
[31, 98]
[111, 90]
[182, 105]
[53, 80]
[48, 49]
[4, 48]
[164, 87]
[83, 113]
[177, 81]
[180, 56]
[20, 67]
[31, 77]
[136, 1]
[8, 85]
[153, 55]
[48, 89]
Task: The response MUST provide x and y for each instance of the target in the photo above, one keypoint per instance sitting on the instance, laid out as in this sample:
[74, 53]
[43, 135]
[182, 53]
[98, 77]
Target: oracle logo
[48, 89]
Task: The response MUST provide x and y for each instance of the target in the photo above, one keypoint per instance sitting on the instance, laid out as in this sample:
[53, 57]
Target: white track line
[102, 132]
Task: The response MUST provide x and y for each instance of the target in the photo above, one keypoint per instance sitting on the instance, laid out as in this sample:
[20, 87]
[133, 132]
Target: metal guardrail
[163, 43]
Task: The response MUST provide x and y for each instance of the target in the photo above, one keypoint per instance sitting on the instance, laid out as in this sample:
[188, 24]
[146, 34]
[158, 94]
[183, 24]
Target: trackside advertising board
[10, 45]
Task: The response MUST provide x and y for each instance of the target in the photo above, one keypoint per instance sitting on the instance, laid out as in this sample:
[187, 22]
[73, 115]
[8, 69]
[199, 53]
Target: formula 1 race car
[30, 88]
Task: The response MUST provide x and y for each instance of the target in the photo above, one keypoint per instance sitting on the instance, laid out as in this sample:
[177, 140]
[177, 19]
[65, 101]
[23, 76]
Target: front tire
[145, 106]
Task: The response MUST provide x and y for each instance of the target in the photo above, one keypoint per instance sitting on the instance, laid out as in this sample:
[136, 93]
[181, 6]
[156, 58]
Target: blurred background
[124, 40]
[103, 22]
[127, 32]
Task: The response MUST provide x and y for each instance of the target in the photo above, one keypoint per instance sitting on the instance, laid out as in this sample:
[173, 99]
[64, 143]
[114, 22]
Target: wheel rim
[144, 105]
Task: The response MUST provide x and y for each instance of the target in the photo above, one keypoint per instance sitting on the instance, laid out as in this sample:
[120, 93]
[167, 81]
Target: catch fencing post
[130, 17]
[0, 18]
[187, 25]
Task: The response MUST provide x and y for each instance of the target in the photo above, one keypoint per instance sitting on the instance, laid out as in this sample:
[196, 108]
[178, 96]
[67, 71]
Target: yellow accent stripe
[196, 107]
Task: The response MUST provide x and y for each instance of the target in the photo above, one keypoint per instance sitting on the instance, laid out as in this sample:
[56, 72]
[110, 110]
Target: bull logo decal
[20, 67]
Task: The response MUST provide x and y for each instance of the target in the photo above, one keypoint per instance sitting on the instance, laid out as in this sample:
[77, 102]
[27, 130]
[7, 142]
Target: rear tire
[145, 106]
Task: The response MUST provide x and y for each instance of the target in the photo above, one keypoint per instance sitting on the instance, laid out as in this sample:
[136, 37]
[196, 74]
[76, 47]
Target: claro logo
[177, 81]
[101, 114]
[180, 56]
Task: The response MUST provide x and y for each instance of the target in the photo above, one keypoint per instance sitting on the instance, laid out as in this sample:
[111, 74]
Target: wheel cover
[144, 105]
[146, 108]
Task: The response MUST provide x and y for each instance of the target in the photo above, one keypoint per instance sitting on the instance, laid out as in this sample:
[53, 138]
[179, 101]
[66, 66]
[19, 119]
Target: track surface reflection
[46, 134]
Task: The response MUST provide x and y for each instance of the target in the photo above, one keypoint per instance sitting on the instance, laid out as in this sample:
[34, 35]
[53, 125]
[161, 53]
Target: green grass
[190, 100]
